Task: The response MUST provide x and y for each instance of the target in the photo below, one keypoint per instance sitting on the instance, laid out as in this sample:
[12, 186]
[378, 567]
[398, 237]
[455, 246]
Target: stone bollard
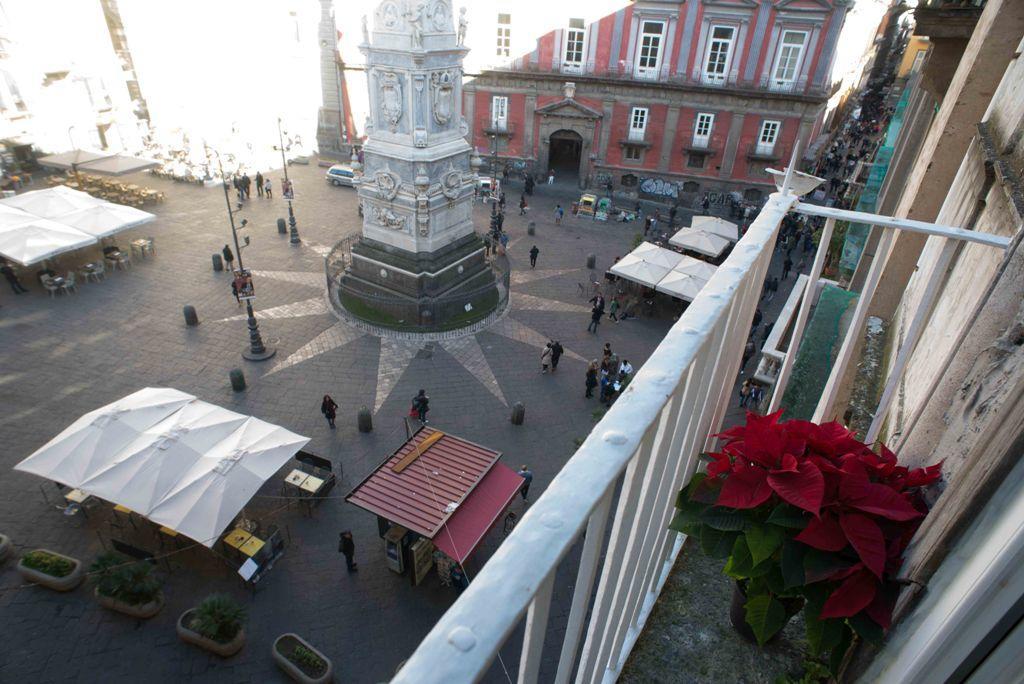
[531, 228]
[591, 261]
[365, 420]
[191, 319]
[218, 263]
[237, 379]
[518, 413]
[282, 226]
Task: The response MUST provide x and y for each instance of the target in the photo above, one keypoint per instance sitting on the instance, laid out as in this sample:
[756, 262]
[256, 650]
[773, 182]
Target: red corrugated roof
[464, 531]
[418, 497]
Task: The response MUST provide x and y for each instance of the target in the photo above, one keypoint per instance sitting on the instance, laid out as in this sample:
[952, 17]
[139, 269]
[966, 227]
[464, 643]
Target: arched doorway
[566, 148]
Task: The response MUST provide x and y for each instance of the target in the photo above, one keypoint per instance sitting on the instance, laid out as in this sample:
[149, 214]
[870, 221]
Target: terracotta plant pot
[65, 583]
[5, 546]
[141, 611]
[225, 650]
[284, 644]
[738, 614]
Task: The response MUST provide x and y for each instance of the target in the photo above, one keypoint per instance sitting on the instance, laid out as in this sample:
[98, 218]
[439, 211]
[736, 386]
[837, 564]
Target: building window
[787, 62]
[629, 180]
[573, 57]
[649, 55]
[637, 123]
[918, 61]
[499, 113]
[702, 129]
[695, 160]
[719, 57]
[767, 136]
[504, 35]
[753, 195]
[690, 186]
[632, 153]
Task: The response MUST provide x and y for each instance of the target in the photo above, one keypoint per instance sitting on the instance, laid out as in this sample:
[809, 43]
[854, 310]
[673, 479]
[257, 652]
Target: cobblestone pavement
[64, 356]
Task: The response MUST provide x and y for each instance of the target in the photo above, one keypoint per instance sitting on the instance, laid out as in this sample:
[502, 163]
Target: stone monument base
[428, 291]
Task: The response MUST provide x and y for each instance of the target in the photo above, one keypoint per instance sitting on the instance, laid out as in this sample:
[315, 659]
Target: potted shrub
[216, 624]
[51, 569]
[129, 587]
[5, 546]
[806, 514]
[300, 660]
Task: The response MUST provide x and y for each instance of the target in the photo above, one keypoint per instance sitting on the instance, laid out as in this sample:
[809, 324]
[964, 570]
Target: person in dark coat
[259, 183]
[347, 547]
[229, 257]
[527, 476]
[234, 291]
[12, 278]
[534, 253]
[421, 404]
[556, 353]
[787, 265]
[591, 380]
[329, 409]
[246, 186]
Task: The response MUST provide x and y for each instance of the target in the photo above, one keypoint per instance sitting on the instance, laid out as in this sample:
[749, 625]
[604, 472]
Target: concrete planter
[190, 636]
[284, 644]
[141, 611]
[66, 583]
[5, 546]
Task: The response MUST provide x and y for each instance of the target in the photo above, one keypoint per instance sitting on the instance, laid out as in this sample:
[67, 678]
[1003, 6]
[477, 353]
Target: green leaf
[835, 658]
[822, 635]
[785, 515]
[740, 563]
[716, 543]
[775, 582]
[766, 617]
[762, 541]
[726, 519]
[819, 565]
[682, 522]
[705, 490]
[792, 563]
[866, 628]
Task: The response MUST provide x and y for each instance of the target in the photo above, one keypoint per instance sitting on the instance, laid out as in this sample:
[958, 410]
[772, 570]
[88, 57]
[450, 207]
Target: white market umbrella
[716, 225]
[636, 269]
[699, 241]
[695, 267]
[681, 285]
[52, 202]
[106, 219]
[10, 217]
[183, 463]
[40, 239]
[659, 256]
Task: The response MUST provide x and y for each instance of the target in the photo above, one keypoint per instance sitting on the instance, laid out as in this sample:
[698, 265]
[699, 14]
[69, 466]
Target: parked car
[483, 184]
[340, 174]
[299, 159]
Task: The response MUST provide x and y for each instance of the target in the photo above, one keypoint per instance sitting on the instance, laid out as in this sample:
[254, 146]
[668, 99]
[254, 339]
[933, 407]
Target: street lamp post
[257, 351]
[292, 227]
[494, 186]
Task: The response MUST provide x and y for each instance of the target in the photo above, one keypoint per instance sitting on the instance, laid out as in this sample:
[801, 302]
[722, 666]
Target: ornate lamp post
[292, 227]
[257, 351]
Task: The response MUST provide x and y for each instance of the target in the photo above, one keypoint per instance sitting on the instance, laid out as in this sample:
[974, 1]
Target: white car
[340, 174]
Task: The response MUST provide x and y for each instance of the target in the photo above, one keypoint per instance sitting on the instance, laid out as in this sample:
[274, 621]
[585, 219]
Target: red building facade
[664, 99]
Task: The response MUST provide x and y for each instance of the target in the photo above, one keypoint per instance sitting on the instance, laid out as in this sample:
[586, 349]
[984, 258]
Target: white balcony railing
[636, 134]
[648, 443]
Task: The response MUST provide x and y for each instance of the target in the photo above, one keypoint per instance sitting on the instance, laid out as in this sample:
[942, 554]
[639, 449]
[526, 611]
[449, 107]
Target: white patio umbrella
[52, 202]
[659, 256]
[636, 269]
[181, 462]
[716, 225]
[40, 239]
[681, 285]
[699, 241]
[106, 219]
[10, 216]
[695, 267]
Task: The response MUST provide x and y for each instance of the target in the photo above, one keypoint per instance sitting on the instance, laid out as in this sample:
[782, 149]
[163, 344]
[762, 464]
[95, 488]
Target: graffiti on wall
[657, 186]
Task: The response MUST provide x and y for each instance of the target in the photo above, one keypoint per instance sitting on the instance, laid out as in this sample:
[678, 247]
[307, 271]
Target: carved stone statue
[388, 183]
[415, 17]
[387, 218]
[463, 26]
[391, 98]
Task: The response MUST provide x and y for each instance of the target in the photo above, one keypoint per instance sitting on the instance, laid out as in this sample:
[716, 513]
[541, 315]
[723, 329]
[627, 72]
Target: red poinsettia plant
[806, 513]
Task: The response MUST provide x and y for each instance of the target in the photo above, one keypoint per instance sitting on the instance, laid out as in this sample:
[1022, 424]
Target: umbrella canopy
[183, 463]
[10, 217]
[695, 267]
[105, 219]
[681, 285]
[98, 162]
[699, 241]
[636, 269]
[52, 202]
[659, 256]
[716, 225]
[39, 239]
[65, 160]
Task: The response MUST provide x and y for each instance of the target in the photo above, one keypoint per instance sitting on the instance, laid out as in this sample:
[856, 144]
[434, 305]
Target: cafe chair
[53, 288]
[69, 283]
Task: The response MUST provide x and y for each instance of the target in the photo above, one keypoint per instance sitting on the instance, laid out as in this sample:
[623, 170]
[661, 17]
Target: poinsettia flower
[803, 487]
[745, 487]
[866, 539]
[920, 477]
[856, 593]
[823, 533]
[857, 491]
[719, 465]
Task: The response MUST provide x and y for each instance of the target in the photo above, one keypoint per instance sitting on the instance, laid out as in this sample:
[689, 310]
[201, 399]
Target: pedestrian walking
[551, 177]
[773, 287]
[234, 291]
[347, 548]
[744, 393]
[545, 358]
[758, 317]
[705, 203]
[534, 253]
[591, 378]
[501, 202]
[522, 205]
[748, 351]
[559, 213]
[459, 578]
[556, 353]
[672, 215]
[528, 184]
[420, 406]
[246, 186]
[606, 354]
[613, 309]
[598, 301]
[268, 189]
[329, 409]
[12, 279]
[766, 332]
[259, 183]
[786, 266]
[229, 257]
[595, 319]
[527, 476]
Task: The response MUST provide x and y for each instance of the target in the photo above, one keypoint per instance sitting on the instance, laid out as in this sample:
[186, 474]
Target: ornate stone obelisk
[419, 260]
[334, 120]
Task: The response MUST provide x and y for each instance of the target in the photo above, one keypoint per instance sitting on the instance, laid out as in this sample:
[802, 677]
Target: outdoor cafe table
[244, 541]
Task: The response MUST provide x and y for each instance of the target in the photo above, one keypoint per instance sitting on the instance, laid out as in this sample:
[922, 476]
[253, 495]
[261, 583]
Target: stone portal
[419, 262]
